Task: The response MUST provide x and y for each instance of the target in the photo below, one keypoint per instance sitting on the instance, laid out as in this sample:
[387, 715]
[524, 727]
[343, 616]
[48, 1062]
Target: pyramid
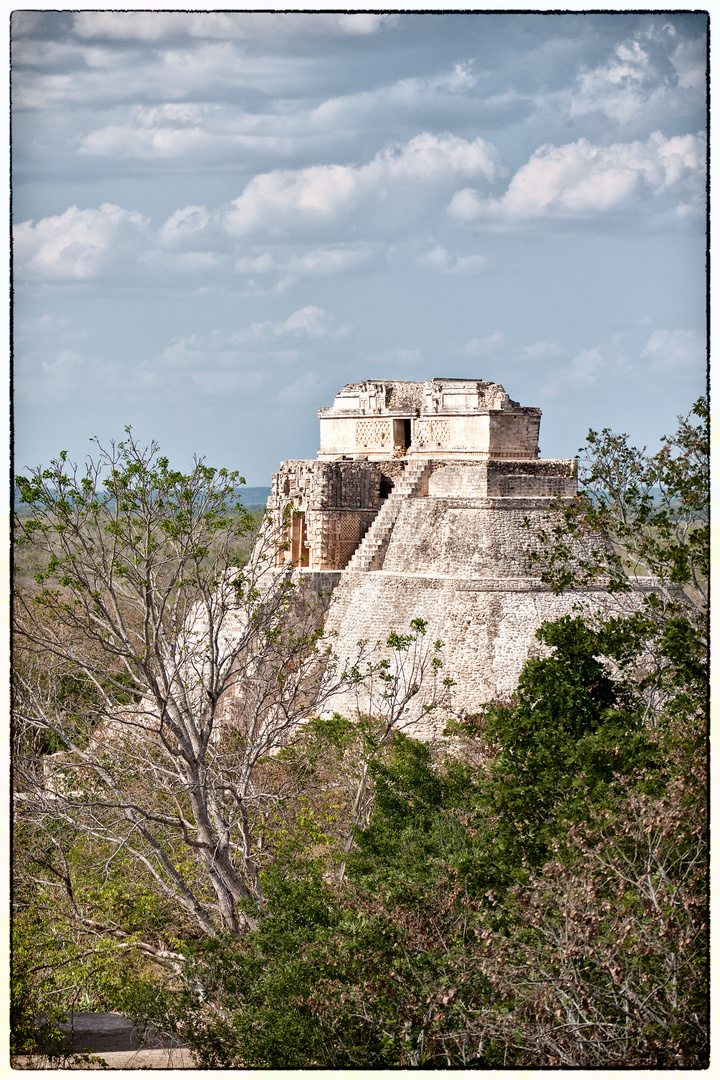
[425, 501]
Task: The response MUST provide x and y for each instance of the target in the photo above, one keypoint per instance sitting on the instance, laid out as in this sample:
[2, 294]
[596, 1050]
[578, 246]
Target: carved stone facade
[439, 418]
[425, 501]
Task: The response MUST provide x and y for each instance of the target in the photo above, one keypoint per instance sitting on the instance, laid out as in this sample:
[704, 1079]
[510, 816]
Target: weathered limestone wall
[439, 418]
[470, 538]
[438, 489]
[332, 504]
[528, 479]
[487, 626]
[514, 435]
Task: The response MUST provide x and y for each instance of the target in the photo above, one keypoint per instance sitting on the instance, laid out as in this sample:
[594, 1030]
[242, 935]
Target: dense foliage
[531, 891]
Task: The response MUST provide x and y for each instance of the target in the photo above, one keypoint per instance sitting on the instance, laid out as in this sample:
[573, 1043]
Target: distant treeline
[253, 498]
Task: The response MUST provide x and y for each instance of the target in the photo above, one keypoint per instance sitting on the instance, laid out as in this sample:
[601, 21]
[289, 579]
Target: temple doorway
[402, 435]
[299, 550]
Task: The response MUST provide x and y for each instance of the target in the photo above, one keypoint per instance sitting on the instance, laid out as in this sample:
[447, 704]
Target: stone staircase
[371, 550]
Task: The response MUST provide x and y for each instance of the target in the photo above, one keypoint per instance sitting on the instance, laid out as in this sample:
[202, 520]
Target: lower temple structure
[425, 501]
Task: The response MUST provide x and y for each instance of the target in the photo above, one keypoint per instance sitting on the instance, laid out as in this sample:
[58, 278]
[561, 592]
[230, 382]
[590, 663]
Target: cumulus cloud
[542, 350]
[165, 131]
[676, 351]
[580, 180]
[585, 369]
[484, 346]
[441, 260]
[158, 25]
[619, 88]
[400, 183]
[310, 322]
[173, 132]
[186, 224]
[222, 361]
[645, 76]
[292, 224]
[288, 267]
[78, 244]
[689, 59]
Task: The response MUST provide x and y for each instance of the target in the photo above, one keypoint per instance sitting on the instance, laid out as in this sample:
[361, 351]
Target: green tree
[559, 746]
[648, 512]
[158, 679]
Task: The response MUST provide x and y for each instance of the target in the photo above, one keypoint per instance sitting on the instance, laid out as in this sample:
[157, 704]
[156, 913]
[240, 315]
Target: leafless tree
[166, 676]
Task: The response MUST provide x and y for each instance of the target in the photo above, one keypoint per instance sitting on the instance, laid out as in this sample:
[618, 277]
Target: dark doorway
[408, 432]
[386, 486]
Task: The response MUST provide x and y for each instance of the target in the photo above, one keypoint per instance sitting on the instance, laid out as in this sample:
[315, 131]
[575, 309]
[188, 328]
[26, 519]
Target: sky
[222, 217]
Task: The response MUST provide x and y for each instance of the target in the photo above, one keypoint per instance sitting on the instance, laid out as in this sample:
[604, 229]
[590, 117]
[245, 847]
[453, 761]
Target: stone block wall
[324, 508]
[470, 500]
[487, 627]
[468, 538]
[514, 435]
[528, 479]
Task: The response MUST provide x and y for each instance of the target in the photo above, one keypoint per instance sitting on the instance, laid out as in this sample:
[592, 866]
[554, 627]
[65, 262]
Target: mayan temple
[424, 501]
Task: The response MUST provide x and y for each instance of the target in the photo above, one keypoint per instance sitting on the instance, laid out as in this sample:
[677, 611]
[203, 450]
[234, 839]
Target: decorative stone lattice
[373, 433]
[432, 432]
[350, 527]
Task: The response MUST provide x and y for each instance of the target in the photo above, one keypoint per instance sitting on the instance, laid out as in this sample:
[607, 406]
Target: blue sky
[220, 218]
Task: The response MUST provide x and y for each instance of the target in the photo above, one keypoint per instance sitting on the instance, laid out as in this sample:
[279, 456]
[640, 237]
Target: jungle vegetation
[196, 847]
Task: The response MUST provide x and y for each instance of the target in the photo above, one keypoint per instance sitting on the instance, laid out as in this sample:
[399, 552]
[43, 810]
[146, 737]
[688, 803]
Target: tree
[535, 896]
[160, 680]
[645, 520]
[139, 584]
[647, 516]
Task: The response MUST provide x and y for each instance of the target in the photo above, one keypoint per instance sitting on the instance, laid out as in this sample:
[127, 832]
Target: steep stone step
[368, 555]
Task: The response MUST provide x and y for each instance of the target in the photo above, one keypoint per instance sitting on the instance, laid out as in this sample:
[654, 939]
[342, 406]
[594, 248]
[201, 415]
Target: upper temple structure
[440, 419]
[425, 501]
[382, 443]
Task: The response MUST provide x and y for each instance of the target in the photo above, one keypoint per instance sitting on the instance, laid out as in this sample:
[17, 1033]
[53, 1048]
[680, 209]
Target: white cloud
[309, 263]
[78, 244]
[46, 373]
[63, 372]
[25, 22]
[155, 26]
[585, 369]
[690, 62]
[542, 350]
[441, 260]
[682, 351]
[399, 183]
[580, 375]
[172, 131]
[645, 78]
[212, 364]
[222, 362]
[618, 88]
[485, 346]
[186, 224]
[221, 131]
[311, 322]
[145, 141]
[181, 265]
[581, 180]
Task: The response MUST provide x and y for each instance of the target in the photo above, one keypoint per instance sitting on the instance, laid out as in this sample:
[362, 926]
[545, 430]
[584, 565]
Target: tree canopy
[200, 845]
